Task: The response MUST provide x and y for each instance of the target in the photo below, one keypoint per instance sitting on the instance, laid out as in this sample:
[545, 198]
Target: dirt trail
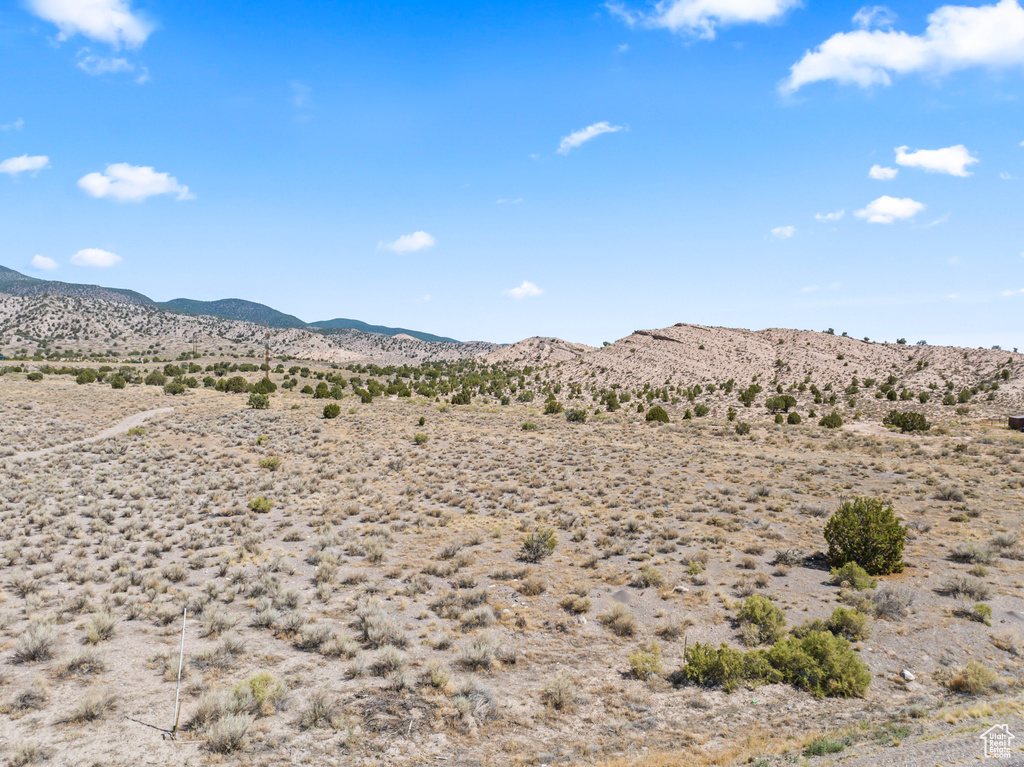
[119, 428]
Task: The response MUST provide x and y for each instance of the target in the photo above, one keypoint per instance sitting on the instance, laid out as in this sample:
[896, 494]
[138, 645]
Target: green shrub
[725, 667]
[117, 382]
[832, 421]
[261, 505]
[701, 410]
[793, 418]
[307, 389]
[332, 410]
[576, 415]
[646, 662]
[529, 426]
[35, 376]
[852, 576]
[849, 624]
[906, 421]
[233, 385]
[760, 621]
[322, 391]
[731, 414]
[462, 398]
[822, 664]
[525, 396]
[420, 439]
[866, 531]
[259, 401]
[175, 387]
[780, 418]
[743, 428]
[825, 745]
[657, 413]
[539, 545]
[156, 378]
[553, 407]
[86, 376]
[270, 464]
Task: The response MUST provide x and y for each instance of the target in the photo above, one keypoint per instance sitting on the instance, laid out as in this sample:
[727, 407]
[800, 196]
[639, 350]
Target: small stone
[908, 675]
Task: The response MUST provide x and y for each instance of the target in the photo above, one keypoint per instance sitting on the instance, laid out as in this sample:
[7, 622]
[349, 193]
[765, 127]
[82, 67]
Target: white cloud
[43, 264]
[1013, 292]
[783, 232]
[95, 257]
[107, 21]
[957, 37]
[1005, 176]
[880, 173]
[510, 202]
[887, 209]
[702, 17]
[580, 137]
[94, 65]
[16, 125]
[937, 222]
[132, 183]
[952, 160]
[834, 216]
[300, 93]
[526, 290]
[12, 166]
[410, 243]
[874, 16]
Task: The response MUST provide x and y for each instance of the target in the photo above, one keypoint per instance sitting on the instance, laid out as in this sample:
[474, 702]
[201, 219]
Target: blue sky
[501, 170]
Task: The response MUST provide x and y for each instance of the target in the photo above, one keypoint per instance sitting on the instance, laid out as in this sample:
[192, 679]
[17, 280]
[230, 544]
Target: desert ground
[357, 590]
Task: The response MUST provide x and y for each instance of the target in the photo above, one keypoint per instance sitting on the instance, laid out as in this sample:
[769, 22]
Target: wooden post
[181, 660]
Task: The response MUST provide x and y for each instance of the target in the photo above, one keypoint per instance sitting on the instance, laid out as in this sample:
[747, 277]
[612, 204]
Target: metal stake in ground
[181, 658]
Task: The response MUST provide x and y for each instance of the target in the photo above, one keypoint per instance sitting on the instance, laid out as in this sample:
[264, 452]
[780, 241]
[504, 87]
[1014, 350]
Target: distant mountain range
[18, 284]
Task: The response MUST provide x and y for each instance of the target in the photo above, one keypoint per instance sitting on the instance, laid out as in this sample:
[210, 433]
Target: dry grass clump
[973, 679]
[36, 644]
[965, 587]
[620, 621]
[92, 707]
[560, 694]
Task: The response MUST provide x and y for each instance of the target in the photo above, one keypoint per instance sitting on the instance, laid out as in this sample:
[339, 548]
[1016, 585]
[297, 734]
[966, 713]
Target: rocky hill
[70, 323]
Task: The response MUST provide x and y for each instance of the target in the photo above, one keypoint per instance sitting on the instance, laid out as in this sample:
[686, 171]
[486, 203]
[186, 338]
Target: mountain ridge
[17, 284]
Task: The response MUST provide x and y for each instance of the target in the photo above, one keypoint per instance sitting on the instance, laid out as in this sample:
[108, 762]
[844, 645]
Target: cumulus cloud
[703, 17]
[132, 183]
[783, 232]
[12, 166]
[43, 264]
[952, 160]
[107, 21]
[581, 137]
[834, 216]
[887, 209]
[95, 257]
[957, 37]
[874, 16]
[410, 243]
[526, 290]
[880, 173]
[16, 125]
